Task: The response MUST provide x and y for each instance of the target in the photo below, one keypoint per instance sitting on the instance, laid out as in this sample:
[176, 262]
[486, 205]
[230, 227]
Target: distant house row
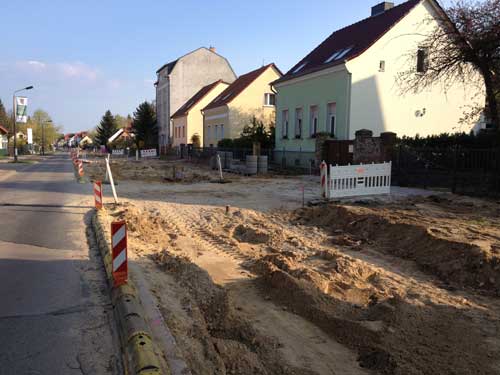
[221, 110]
[347, 83]
[198, 95]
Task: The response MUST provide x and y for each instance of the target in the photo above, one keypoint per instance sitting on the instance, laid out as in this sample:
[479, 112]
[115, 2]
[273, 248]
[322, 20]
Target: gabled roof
[238, 86]
[204, 91]
[3, 130]
[349, 42]
[171, 65]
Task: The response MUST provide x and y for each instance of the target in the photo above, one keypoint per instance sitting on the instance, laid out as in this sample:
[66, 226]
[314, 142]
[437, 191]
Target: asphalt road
[55, 312]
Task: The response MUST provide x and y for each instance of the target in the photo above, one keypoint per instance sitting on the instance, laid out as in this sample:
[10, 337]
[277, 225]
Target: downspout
[203, 128]
[275, 115]
[169, 127]
[348, 103]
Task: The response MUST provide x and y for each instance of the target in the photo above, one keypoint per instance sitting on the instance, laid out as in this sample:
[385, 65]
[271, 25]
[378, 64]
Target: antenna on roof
[263, 62]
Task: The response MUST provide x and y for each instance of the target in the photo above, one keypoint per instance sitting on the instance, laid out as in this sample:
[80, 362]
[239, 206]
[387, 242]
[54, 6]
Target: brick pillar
[367, 149]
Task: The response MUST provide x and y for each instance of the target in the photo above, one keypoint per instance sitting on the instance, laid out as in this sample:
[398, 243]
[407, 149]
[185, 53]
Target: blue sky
[85, 57]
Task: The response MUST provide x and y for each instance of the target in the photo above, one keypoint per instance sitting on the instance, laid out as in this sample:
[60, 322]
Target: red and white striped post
[98, 195]
[119, 243]
[323, 173]
[80, 168]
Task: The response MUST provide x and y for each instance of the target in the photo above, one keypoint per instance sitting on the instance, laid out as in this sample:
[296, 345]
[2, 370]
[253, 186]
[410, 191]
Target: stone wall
[369, 149]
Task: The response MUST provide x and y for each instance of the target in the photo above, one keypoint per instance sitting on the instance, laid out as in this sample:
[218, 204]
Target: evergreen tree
[144, 126]
[105, 129]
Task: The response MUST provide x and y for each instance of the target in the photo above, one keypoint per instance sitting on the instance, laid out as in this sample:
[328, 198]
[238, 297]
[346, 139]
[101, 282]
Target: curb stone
[141, 353]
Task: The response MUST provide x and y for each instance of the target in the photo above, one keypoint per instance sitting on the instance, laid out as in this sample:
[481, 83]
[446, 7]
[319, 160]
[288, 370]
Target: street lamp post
[14, 118]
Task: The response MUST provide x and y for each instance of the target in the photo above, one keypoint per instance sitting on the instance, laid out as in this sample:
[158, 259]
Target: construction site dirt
[390, 285]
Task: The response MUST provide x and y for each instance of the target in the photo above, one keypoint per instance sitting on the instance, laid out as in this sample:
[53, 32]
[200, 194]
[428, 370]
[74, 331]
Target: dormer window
[337, 55]
[332, 57]
[344, 52]
[299, 68]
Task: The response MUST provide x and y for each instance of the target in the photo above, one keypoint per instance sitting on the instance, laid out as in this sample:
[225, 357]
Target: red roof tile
[238, 86]
[184, 110]
[353, 40]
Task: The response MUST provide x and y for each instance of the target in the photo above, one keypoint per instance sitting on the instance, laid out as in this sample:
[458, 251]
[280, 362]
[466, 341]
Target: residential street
[55, 312]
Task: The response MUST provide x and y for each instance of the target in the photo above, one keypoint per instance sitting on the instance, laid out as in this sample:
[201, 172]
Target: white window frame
[313, 120]
[299, 122]
[331, 115]
[284, 123]
[216, 127]
[267, 99]
[222, 131]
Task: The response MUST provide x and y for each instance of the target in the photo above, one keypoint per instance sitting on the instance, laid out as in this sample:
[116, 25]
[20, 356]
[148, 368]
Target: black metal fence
[462, 170]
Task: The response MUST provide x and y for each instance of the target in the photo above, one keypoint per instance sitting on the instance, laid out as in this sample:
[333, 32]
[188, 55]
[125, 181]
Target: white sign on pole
[21, 109]
[30, 136]
[116, 135]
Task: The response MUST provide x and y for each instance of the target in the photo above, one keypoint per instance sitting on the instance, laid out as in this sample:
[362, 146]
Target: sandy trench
[368, 287]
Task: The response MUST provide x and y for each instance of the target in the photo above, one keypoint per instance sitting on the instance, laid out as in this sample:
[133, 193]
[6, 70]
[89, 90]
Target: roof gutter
[339, 66]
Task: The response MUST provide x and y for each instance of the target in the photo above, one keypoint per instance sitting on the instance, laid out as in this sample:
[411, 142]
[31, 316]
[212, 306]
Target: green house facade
[306, 106]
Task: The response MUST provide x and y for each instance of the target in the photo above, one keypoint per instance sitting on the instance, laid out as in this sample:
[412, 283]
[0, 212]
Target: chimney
[381, 8]
[212, 49]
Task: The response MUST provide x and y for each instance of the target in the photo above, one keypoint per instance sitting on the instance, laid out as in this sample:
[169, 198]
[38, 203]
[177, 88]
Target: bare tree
[466, 42]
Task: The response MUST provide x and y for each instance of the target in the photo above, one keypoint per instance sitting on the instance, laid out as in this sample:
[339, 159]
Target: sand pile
[409, 288]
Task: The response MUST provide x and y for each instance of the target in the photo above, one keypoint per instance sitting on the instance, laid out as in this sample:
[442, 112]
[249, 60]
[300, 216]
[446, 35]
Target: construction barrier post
[80, 168]
[323, 172]
[111, 181]
[119, 244]
[79, 165]
[98, 195]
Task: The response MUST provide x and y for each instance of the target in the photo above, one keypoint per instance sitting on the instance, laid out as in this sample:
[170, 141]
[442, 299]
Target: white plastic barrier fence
[357, 180]
[118, 152]
[148, 153]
